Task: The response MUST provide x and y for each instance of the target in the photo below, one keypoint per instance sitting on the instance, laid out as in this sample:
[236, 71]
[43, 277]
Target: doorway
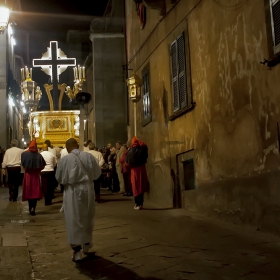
[189, 177]
[185, 176]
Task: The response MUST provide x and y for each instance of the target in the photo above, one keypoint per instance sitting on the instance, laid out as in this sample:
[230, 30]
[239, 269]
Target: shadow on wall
[97, 267]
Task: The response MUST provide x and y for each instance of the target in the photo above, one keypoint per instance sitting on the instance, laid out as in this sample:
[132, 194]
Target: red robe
[139, 178]
[31, 185]
[32, 163]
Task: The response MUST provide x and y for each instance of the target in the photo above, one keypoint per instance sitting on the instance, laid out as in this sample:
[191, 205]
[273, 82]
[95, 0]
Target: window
[181, 89]
[275, 19]
[147, 116]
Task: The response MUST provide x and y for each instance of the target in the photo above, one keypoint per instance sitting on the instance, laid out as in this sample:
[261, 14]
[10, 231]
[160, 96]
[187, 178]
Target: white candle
[26, 72]
[84, 72]
[74, 74]
[80, 72]
[31, 73]
[22, 74]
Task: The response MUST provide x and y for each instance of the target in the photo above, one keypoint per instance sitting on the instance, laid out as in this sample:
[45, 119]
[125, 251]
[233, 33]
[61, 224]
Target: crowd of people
[80, 175]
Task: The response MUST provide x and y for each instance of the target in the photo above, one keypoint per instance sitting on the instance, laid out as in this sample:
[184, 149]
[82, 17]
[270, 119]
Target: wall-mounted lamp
[4, 18]
[134, 84]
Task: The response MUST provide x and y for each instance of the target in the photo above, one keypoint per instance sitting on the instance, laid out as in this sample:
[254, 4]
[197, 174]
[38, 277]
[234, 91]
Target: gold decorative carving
[62, 90]
[76, 89]
[56, 124]
[64, 136]
[48, 89]
[79, 79]
[38, 93]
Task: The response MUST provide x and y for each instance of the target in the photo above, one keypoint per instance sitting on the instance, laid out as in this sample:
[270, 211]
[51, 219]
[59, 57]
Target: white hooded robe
[78, 196]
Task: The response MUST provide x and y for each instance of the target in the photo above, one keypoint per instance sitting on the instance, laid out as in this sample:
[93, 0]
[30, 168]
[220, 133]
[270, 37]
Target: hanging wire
[230, 6]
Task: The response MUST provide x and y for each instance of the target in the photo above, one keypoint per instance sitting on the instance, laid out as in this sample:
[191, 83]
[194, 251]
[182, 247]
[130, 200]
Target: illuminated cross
[53, 63]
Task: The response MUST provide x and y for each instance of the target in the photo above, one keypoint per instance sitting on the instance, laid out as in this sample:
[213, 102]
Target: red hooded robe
[139, 178]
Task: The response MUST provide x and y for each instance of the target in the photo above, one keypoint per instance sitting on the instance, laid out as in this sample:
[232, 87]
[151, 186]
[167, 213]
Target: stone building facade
[107, 111]
[209, 110]
[10, 108]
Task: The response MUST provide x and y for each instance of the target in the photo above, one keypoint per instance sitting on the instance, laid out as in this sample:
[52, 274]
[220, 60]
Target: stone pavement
[147, 244]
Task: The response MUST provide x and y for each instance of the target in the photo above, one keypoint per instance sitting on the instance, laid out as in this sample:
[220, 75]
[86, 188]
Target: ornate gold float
[55, 125]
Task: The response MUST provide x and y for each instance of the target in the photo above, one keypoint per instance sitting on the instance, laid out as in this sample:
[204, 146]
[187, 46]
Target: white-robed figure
[76, 171]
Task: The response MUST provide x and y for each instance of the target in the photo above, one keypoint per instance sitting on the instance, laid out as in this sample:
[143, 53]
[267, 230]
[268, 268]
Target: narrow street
[130, 244]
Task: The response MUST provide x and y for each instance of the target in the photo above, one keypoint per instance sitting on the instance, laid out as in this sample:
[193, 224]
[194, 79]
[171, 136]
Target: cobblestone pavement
[129, 244]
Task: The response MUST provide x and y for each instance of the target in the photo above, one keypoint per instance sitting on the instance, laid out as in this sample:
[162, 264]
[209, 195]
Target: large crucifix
[53, 63]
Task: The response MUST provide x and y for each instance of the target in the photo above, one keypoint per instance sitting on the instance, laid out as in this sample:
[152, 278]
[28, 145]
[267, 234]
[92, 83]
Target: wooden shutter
[275, 10]
[174, 76]
[182, 71]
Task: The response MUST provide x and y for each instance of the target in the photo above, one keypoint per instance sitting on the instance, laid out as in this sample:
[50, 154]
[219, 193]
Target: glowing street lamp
[4, 18]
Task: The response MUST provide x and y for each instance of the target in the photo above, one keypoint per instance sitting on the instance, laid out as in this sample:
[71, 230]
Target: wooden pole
[135, 120]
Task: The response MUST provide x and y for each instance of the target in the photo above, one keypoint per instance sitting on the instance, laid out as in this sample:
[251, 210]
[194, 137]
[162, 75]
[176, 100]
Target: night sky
[45, 15]
[45, 21]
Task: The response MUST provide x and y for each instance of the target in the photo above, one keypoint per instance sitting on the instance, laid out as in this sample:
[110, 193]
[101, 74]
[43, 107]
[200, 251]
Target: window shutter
[275, 9]
[174, 75]
[182, 71]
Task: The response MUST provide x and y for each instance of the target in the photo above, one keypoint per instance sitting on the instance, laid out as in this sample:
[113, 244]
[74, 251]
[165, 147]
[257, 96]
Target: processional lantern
[31, 93]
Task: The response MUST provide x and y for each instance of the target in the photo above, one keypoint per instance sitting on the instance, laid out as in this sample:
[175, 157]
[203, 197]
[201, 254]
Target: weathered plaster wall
[236, 140]
[233, 129]
[238, 112]
[165, 139]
